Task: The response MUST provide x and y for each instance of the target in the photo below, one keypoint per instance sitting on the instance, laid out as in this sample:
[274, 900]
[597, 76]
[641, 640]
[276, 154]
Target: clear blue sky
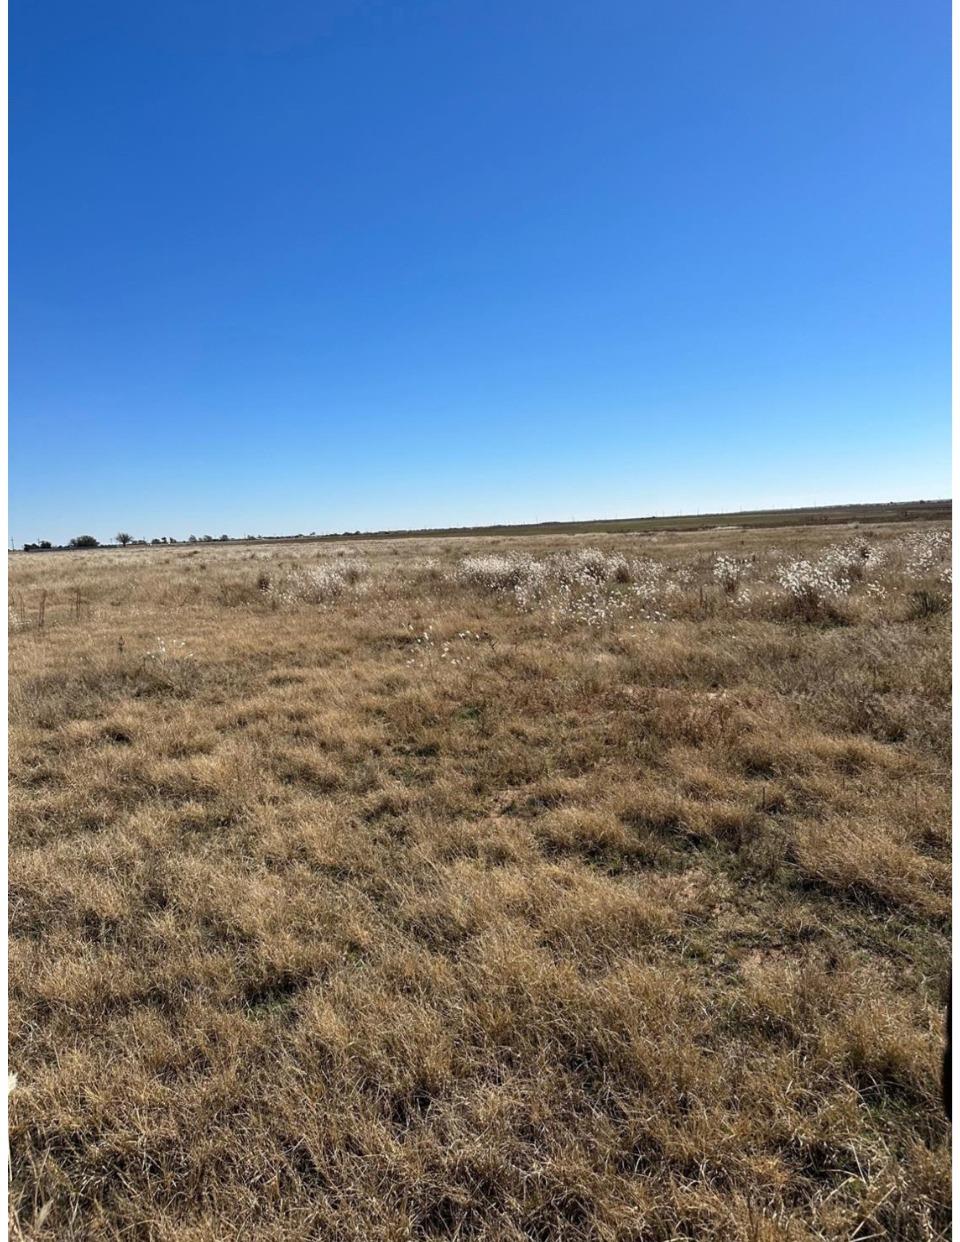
[322, 266]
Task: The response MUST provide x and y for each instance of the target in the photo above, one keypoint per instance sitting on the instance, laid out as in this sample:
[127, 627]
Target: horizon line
[690, 521]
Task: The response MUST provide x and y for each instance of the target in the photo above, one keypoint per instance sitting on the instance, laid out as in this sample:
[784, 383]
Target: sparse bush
[572, 586]
[322, 584]
[728, 572]
[925, 552]
[925, 603]
[812, 589]
[585, 563]
[494, 572]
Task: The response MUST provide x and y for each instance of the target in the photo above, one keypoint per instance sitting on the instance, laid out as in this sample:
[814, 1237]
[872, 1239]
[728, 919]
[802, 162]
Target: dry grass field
[547, 888]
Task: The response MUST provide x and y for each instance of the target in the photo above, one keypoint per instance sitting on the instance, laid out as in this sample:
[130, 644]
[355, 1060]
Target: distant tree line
[123, 540]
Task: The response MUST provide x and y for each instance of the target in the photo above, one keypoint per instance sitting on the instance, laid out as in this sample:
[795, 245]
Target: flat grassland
[529, 888]
[821, 515]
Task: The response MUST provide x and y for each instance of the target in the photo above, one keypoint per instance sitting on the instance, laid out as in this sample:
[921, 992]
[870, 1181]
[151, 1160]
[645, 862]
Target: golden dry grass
[415, 914]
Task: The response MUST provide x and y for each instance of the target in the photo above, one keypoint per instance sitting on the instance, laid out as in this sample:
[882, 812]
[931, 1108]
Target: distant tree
[31, 547]
[192, 539]
[207, 539]
[155, 542]
[45, 543]
[123, 539]
[84, 541]
[224, 538]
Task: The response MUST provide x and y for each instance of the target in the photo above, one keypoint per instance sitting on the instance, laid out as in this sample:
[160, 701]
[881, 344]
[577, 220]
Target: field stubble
[507, 889]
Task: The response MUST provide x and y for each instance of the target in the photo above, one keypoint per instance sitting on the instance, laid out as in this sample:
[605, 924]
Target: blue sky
[355, 265]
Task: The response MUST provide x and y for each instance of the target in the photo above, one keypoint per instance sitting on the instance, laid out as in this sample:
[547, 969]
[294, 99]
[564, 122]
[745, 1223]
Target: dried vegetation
[482, 889]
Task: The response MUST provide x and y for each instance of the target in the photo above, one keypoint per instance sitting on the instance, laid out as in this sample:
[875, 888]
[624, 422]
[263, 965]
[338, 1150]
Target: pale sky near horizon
[354, 265]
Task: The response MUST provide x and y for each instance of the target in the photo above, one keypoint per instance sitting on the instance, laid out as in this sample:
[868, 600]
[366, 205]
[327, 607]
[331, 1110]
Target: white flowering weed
[321, 584]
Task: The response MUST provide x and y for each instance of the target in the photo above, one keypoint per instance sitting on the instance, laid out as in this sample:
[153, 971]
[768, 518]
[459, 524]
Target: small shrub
[925, 603]
[728, 572]
[493, 572]
[812, 589]
[322, 584]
